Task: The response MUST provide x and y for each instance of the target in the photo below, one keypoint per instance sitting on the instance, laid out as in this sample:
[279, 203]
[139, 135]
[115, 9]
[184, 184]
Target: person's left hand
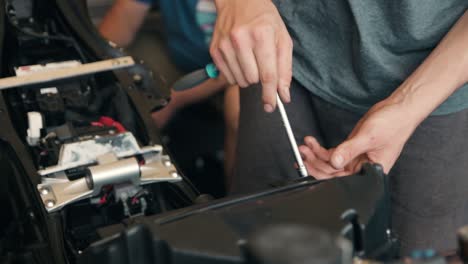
[378, 137]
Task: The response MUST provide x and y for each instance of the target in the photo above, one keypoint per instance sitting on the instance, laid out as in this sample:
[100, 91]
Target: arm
[443, 72]
[123, 21]
[180, 99]
[381, 134]
[198, 93]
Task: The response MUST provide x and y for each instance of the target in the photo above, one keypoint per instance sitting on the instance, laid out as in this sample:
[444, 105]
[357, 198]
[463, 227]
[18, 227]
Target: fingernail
[268, 108]
[338, 160]
[286, 94]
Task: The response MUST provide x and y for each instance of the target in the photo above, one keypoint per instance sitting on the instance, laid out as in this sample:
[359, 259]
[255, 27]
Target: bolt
[167, 163]
[44, 191]
[174, 174]
[50, 203]
[137, 78]
[31, 215]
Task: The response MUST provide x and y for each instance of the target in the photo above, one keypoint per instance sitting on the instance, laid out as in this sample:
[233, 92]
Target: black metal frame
[143, 94]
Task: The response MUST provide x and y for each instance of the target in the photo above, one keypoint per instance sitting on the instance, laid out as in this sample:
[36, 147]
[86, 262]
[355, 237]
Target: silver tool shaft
[292, 140]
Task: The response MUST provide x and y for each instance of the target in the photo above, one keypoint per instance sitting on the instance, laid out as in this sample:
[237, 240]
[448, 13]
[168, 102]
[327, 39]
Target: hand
[181, 99]
[378, 137]
[251, 44]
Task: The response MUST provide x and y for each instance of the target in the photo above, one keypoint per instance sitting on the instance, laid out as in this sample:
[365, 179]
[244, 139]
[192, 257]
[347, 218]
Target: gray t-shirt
[354, 53]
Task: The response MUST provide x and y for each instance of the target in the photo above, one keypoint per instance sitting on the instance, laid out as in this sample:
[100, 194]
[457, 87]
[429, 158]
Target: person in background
[188, 27]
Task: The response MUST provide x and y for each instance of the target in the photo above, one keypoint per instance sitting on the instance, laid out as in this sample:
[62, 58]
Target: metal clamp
[59, 192]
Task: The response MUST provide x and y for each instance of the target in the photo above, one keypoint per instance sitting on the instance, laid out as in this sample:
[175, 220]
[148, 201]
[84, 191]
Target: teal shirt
[355, 53]
[187, 24]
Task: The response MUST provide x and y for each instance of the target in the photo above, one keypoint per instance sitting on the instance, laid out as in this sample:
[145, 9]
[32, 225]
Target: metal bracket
[57, 190]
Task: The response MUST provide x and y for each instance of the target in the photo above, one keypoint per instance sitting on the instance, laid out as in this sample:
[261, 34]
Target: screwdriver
[210, 71]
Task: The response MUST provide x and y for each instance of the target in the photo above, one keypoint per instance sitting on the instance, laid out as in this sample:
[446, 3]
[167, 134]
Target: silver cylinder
[126, 170]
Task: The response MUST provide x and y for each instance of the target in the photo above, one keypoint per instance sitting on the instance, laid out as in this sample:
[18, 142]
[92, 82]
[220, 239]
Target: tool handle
[195, 78]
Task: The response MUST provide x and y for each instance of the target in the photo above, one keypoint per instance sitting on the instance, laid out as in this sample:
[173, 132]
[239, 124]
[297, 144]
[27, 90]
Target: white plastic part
[65, 73]
[34, 130]
[42, 68]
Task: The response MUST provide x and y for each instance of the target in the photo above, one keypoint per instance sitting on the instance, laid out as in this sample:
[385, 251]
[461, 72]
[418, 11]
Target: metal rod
[292, 140]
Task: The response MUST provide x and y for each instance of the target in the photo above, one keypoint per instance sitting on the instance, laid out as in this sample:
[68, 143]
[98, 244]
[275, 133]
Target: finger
[230, 57]
[218, 59]
[285, 54]
[242, 44]
[319, 151]
[325, 167]
[265, 55]
[317, 168]
[319, 164]
[350, 150]
[353, 168]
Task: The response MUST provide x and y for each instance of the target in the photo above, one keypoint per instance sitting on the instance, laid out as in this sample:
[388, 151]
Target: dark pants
[429, 182]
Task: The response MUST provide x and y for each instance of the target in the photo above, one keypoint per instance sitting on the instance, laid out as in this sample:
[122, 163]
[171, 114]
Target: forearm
[122, 21]
[439, 76]
[198, 93]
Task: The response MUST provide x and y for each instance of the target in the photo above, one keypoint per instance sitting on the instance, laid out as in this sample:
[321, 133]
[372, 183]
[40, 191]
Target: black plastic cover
[212, 233]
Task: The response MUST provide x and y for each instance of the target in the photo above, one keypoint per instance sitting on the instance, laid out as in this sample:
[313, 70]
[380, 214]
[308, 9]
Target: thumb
[349, 150]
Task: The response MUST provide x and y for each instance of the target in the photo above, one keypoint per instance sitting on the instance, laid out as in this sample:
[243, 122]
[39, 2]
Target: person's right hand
[251, 44]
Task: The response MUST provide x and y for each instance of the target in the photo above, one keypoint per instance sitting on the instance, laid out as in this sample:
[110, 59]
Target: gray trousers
[429, 182]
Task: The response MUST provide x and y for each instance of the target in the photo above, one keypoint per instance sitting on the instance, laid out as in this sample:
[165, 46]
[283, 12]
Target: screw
[389, 232]
[167, 163]
[50, 203]
[31, 215]
[137, 78]
[174, 174]
[44, 191]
